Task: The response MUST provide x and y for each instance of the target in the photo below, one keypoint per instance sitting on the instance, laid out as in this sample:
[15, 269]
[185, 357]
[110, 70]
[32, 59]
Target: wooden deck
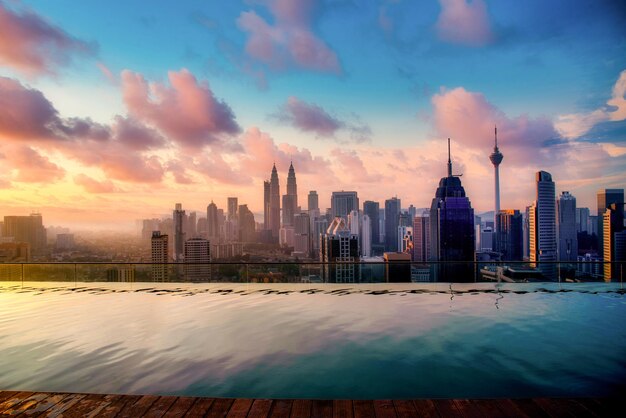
[41, 404]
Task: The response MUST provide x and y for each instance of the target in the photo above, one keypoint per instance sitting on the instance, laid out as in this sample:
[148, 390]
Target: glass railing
[316, 272]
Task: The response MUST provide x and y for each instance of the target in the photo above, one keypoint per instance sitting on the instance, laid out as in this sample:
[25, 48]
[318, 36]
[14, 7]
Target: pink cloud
[353, 167]
[33, 167]
[468, 118]
[31, 45]
[136, 135]
[186, 111]
[290, 41]
[464, 22]
[94, 186]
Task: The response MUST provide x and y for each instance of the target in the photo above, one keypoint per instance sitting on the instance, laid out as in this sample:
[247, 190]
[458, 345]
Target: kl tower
[496, 158]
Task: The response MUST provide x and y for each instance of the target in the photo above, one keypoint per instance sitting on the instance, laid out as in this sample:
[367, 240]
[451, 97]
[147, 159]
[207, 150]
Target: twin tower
[272, 204]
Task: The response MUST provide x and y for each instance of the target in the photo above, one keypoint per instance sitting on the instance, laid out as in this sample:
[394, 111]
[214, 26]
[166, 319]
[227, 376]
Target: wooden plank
[489, 408]
[404, 408]
[116, 405]
[343, 408]
[6, 394]
[160, 406]
[596, 408]
[260, 408]
[571, 408]
[41, 407]
[240, 408]
[14, 400]
[34, 401]
[384, 408]
[529, 408]
[467, 409]
[301, 408]
[132, 410]
[447, 408]
[321, 408]
[219, 408]
[363, 409]
[199, 408]
[281, 408]
[89, 405]
[66, 403]
[511, 409]
[553, 408]
[180, 407]
[426, 408]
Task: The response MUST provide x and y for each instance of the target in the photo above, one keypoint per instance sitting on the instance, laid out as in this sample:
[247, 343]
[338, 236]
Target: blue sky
[345, 86]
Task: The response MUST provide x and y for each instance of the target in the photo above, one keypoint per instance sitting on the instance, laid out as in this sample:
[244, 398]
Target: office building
[340, 249]
[213, 231]
[582, 219]
[365, 239]
[159, 257]
[509, 235]
[290, 200]
[233, 203]
[372, 209]
[302, 236]
[397, 267]
[28, 229]
[606, 198]
[452, 236]
[274, 217]
[542, 227]
[247, 226]
[197, 260]
[65, 242]
[405, 239]
[392, 221]
[566, 227]
[342, 203]
[313, 201]
[266, 205]
[179, 233]
[421, 238]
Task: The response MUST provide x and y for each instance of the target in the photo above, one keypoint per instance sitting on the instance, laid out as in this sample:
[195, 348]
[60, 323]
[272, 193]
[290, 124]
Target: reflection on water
[314, 341]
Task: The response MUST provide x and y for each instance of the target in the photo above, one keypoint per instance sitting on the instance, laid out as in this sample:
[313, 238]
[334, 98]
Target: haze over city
[112, 112]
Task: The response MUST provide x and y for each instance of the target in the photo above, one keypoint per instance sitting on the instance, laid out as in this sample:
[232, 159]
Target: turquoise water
[315, 341]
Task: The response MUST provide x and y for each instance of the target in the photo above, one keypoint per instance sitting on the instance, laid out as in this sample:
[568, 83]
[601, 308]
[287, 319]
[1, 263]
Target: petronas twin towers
[272, 204]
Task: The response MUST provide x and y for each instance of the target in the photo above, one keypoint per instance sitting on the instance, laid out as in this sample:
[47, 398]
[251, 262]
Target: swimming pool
[314, 341]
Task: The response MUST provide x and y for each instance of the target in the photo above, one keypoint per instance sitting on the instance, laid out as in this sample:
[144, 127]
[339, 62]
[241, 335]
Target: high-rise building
[159, 256]
[191, 229]
[412, 211]
[405, 239]
[65, 242]
[526, 234]
[566, 227]
[233, 203]
[354, 222]
[274, 204]
[213, 230]
[247, 226]
[542, 227]
[290, 200]
[313, 200]
[582, 219]
[496, 158]
[606, 198]
[197, 260]
[452, 230]
[320, 225]
[366, 236]
[340, 249]
[266, 205]
[392, 220]
[421, 238]
[302, 235]
[509, 232]
[372, 209]
[179, 233]
[342, 203]
[613, 246]
[28, 229]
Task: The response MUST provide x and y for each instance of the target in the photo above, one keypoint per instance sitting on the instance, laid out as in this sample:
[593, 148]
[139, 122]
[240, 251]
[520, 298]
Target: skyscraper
[421, 238]
[582, 219]
[339, 245]
[566, 227]
[159, 256]
[342, 203]
[266, 205]
[509, 232]
[606, 198]
[28, 229]
[366, 236]
[542, 227]
[290, 200]
[213, 230]
[496, 158]
[233, 202]
[247, 226]
[371, 209]
[274, 204]
[614, 237]
[313, 200]
[302, 235]
[179, 233]
[197, 260]
[392, 220]
[452, 229]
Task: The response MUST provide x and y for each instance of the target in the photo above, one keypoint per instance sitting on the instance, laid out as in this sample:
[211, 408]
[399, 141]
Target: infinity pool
[314, 341]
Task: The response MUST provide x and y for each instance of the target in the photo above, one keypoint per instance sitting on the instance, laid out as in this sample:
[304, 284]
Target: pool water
[314, 341]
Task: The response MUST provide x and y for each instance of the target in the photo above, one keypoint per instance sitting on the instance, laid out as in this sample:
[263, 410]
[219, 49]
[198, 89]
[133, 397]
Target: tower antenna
[449, 160]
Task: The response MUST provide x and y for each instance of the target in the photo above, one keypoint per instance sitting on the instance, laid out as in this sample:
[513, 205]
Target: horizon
[117, 113]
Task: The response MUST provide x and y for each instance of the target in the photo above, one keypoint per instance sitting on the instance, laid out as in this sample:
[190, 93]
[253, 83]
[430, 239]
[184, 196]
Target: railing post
[75, 276]
[22, 274]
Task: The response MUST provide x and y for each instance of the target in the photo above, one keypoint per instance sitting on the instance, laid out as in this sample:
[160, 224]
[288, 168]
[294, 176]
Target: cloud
[94, 186]
[186, 111]
[136, 135]
[33, 46]
[290, 42]
[309, 117]
[352, 165]
[467, 117]
[464, 22]
[32, 167]
[575, 125]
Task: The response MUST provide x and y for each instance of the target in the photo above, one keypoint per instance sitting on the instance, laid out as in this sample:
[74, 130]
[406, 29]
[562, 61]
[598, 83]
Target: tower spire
[496, 134]
[449, 160]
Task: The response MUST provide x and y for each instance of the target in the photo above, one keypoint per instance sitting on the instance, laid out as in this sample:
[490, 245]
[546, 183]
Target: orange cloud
[94, 186]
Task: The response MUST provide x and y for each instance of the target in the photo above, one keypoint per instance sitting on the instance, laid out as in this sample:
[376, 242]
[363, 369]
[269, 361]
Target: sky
[114, 111]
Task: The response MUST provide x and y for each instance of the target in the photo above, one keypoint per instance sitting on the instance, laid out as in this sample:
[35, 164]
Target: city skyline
[90, 141]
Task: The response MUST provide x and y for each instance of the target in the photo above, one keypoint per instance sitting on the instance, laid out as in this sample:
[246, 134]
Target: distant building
[159, 257]
[65, 242]
[405, 239]
[542, 222]
[397, 267]
[274, 217]
[302, 236]
[392, 221]
[313, 200]
[179, 234]
[233, 203]
[582, 219]
[339, 245]
[566, 227]
[614, 245]
[372, 209]
[606, 198]
[342, 203]
[509, 233]
[121, 274]
[496, 158]
[266, 205]
[27, 229]
[197, 260]
[14, 252]
[213, 229]
[365, 240]
[247, 226]
[452, 230]
[225, 251]
[320, 225]
[421, 238]
[287, 236]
